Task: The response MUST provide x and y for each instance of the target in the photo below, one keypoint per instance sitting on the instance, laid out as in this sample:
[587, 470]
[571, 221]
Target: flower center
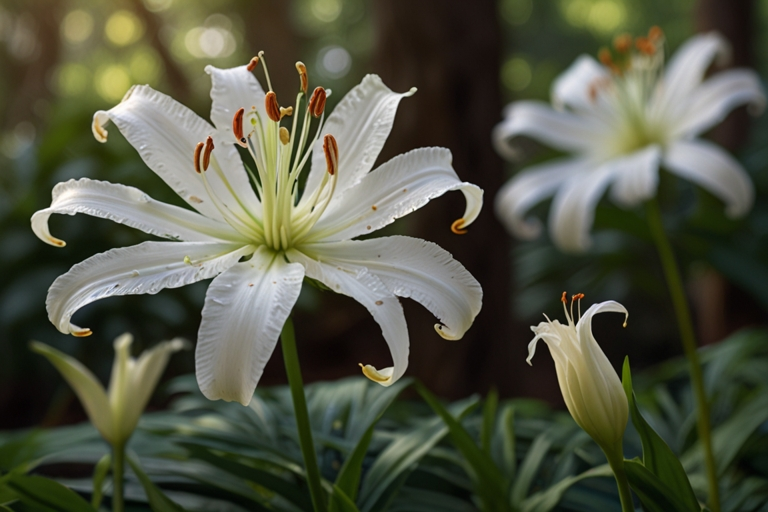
[279, 154]
[635, 67]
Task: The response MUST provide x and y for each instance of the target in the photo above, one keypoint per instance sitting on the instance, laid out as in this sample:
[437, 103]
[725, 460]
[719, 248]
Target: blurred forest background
[62, 60]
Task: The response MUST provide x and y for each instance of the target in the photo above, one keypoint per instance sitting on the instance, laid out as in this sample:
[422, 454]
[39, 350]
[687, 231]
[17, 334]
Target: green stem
[118, 469]
[685, 325]
[292, 368]
[616, 461]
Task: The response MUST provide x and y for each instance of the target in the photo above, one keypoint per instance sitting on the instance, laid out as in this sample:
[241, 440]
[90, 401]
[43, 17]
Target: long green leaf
[654, 494]
[489, 418]
[546, 500]
[99, 475]
[658, 457]
[158, 501]
[45, 494]
[340, 502]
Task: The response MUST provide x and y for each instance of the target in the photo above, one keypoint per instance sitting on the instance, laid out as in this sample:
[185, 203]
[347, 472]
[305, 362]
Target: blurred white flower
[591, 388]
[261, 244]
[622, 120]
[116, 412]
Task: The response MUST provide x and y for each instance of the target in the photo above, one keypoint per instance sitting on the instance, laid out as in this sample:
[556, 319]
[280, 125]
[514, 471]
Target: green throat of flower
[279, 154]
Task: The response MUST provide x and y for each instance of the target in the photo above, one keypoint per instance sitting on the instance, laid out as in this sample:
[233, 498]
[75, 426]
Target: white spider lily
[262, 244]
[116, 412]
[622, 120]
[591, 388]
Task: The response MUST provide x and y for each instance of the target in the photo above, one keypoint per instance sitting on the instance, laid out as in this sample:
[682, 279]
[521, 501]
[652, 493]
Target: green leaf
[654, 494]
[506, 457]
[658, 457]
[47, 495]
[546, 500]
[489, 418]
[530, 466]
[158, 501]
[491, 485]
[99, 475]
[348, 479]
[340, 502]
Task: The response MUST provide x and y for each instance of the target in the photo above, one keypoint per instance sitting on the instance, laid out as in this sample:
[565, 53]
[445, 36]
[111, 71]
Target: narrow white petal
[709, 166]
[395, 189]
[528, 188]
[710, 102]
[416, 269]
[584, 325]
[165, 134]
[573, 87]
[636, 176]
[369, 290]
[88, 389]
[245, 309]
[233, 89]
[686, 70]
[561, 130]
[573, 209]
[129, 206]
[145, 268]
[361, 123]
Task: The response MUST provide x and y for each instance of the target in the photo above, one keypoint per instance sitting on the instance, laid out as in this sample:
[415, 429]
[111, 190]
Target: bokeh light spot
[516, 74]
[157, 5]
[516, 12]
[606, 16]
[576, 12]
[334, 62]
[202, 42]
[112, 82]
[123, 28]
[77, 26]
[145, 66]
[72, 79]
[326, 10]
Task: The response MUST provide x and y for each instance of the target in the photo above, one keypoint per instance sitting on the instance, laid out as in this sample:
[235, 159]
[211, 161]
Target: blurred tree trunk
[732, 19]
[450, 50]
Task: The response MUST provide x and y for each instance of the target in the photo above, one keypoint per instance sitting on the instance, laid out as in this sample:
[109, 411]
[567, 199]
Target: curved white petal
[573, 88]
[710, 102]
[88, 389]
[561, 130]
[709, 166]
[231, 90]
[145, 268]
[529, 187]
[636, 176]
[400, 186]
[686, 70]
[129, 206]
[573, 209]
[245, 309]
[366, 288]
[361, 123]
[416, 269]
[165, 134]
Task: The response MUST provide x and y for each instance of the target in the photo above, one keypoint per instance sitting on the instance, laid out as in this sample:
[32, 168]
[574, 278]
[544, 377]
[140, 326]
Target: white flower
[115, 413]
[262, 244]
[622, 120]
[591, 388]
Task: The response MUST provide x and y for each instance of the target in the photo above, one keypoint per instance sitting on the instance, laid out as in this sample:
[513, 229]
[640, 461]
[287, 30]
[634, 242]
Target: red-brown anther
[317, 102]
[198, 152]
[578, 296]
[622, 43]
[604, 55]
[564, 297]
[273, 108]
[655, 33]
[302, 69]
[331, 150]
[252, 65]
[237, 127]
[645, 46]
[207, 153]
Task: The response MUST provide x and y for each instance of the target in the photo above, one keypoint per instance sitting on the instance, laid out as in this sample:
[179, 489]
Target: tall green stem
[616, 461]
[292, 368]
[685, 325]
[118, 470]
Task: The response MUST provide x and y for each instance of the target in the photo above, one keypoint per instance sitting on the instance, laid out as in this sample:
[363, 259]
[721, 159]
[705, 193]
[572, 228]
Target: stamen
[370, 372]
[252, 65]
[207, 153]
[317, 102]
[644, 45]
[564, 297]
[237, 128]
[286, 111]
[198, 152]
[331, 150]
[623, 43]
[458, 227]
[605, 57]
[302, 69]
[655, 33]
[273, 109]
[285, 137]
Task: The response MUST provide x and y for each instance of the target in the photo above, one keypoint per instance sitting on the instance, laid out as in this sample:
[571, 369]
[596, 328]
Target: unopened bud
[317, 102]
[302, 69]
[273, 109]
